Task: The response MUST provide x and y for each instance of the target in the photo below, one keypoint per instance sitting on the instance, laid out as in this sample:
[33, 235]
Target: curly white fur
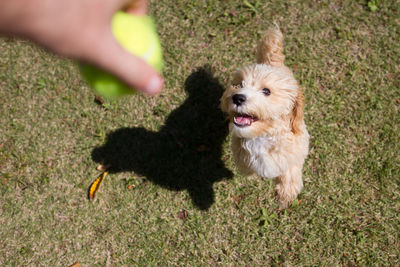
[273, 140]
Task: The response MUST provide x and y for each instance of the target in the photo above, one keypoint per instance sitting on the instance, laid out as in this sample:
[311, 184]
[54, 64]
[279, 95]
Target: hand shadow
[186, 153]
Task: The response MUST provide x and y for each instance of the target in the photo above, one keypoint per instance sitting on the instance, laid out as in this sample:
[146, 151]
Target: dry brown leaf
[99, 100]
[237, 199]
[182, 214]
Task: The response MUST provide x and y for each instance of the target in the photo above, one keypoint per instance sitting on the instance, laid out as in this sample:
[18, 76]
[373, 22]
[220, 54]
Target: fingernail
[155, 84]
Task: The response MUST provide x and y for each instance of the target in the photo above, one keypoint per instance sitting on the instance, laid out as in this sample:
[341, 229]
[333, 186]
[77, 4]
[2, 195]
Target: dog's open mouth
[243, 120]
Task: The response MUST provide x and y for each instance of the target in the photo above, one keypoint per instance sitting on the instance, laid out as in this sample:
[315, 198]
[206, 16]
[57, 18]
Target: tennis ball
[138, 35]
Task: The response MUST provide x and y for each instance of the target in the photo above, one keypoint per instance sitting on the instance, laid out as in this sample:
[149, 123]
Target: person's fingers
[132, 70]
[109, 55]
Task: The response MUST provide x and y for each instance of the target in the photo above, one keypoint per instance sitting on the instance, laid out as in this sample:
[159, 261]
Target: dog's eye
[266, 91]
[238, 84]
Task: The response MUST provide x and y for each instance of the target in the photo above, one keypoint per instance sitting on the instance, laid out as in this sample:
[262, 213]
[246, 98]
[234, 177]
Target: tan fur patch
[297, 115]
[270, 49]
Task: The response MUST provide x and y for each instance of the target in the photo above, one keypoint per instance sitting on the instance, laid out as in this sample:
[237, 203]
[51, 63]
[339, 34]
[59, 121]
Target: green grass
[175, 147]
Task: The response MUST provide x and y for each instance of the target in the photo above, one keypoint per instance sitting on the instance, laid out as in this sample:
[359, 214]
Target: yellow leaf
[94, 187]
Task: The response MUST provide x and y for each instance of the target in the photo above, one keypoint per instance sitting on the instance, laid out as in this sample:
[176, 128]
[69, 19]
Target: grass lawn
[174, 148]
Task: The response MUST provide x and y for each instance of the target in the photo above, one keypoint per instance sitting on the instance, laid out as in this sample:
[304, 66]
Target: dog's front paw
[286, 195]
[288, 186]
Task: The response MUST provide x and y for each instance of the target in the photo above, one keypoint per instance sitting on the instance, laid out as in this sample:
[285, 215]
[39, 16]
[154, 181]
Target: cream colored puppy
[265, 106]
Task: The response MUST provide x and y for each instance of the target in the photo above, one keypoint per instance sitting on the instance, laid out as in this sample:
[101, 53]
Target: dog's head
[263, 94]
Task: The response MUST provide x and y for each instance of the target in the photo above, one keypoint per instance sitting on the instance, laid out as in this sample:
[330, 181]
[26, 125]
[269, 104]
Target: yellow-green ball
[138, 35]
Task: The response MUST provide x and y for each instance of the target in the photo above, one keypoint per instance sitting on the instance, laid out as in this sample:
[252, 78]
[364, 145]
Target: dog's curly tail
[270, 48]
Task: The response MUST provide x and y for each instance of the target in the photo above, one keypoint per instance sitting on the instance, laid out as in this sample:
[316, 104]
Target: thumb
[134, 71]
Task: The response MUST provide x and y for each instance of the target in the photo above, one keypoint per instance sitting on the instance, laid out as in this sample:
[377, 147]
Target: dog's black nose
[238, 99]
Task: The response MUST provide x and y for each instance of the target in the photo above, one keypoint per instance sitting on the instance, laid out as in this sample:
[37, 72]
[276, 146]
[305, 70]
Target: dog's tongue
[243, 120]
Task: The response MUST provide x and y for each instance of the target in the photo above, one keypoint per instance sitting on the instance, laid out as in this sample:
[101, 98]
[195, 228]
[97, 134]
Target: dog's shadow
[186, 153]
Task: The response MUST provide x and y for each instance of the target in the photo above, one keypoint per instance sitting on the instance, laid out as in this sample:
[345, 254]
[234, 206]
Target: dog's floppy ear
[270, 48]
[297, 115]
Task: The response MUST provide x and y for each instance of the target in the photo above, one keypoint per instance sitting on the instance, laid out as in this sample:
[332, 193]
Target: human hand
[81, 30]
